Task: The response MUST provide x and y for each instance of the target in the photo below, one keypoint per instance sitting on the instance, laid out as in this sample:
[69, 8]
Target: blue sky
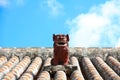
[31, 23]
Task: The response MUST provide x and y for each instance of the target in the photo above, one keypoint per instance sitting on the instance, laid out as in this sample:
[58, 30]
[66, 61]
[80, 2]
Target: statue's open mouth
[61, 44]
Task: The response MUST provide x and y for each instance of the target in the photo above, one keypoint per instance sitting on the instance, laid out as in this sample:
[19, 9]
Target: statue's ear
[67, 37]
[53, 37]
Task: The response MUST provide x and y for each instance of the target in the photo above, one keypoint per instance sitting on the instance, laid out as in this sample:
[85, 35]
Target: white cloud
[55, 8]
[100, 27]
[118, 43]
[3, 3]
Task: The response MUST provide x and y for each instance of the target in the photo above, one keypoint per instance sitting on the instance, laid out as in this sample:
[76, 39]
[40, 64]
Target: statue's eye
[64, 36]
[58, 37]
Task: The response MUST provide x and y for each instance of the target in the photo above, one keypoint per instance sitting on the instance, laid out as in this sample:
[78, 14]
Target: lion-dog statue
[61, 52]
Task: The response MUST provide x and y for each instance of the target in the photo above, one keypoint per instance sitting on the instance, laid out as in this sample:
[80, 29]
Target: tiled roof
[28, 64]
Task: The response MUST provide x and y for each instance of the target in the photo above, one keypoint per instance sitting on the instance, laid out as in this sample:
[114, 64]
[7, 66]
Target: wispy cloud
[3, 3]
[100, 27]
[54, 7]
[7, 3]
